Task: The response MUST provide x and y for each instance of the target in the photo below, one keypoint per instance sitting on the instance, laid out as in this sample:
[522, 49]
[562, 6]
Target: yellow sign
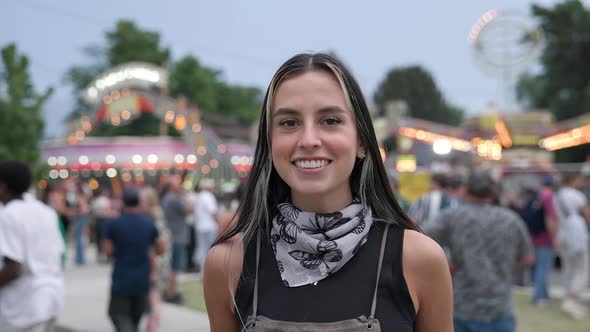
[488, 121]
[414, 185]
[525, 139]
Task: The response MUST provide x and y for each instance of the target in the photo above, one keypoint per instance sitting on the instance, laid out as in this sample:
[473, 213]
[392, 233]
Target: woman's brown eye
[331, 122]
[288, 123]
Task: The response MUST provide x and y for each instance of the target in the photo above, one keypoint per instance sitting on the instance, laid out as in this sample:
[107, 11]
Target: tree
[205, 87]
[129, 43]
[563, 83]
[242, 102]
[417, 88]
[21, 118]
[197, 83]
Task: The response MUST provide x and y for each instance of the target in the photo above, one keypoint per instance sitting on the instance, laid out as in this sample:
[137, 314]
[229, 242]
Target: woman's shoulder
[424, 261]
[225, 258]
[224, 263]
[222, 272]
[421, 254]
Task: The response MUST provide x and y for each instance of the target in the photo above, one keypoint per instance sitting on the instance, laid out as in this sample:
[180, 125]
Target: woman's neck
[322, 203]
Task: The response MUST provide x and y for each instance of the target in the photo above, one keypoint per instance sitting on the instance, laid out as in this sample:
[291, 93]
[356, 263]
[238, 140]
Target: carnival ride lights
[131, 72]
[137, 163]
[113, 92]
[486, 18]
[406, 163]
[191, 159]
[429, 137]
[488, 149]
[503, 134]
[576, 136]
[442, 147]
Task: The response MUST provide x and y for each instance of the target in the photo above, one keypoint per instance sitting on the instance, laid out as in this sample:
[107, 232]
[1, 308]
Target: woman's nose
[310, 137]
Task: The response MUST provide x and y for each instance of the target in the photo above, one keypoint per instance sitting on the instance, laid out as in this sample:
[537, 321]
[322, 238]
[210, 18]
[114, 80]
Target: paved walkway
[87, 293]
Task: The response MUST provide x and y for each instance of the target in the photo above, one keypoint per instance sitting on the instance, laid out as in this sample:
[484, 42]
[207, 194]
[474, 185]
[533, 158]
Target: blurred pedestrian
[31, 278]
[228, 207]
[540, 215]
[57, 200]
[128, 239]
[427, 207]
[176, 209]
[160, 264]
[485, 241]
[77, 202]
[572, 243]
[205, 211]
[456, 188]
[101, 211]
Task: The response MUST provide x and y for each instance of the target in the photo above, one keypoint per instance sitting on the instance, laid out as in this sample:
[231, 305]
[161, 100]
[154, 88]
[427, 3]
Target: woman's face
[314, 139]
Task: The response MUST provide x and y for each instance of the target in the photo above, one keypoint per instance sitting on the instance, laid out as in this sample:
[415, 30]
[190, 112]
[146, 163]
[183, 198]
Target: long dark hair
[368, 180]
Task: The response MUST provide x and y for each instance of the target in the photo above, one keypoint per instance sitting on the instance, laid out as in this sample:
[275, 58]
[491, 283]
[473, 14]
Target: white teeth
[311, 163]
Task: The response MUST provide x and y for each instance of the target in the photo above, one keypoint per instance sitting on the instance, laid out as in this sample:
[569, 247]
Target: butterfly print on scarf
[324, 222]
[289, 211]
[274, 238]
[288, 231]
[361, 227]
[326, 251]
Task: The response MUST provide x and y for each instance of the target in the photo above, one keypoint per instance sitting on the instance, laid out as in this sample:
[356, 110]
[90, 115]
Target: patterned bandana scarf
[310, 246]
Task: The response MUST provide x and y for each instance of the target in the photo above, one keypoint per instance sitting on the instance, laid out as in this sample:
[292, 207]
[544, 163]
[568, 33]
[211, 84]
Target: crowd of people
[486, 230]
[149, 235]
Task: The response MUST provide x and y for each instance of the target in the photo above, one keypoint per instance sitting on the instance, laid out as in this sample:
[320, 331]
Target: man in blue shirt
[128, 240]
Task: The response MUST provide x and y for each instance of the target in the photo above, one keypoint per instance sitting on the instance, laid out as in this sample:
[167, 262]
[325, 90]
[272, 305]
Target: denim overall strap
[381, 254]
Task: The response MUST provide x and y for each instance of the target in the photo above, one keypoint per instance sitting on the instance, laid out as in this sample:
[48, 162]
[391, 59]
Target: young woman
[320, 244]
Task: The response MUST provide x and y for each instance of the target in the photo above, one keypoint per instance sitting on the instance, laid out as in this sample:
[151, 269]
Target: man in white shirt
[31, 278]
[205, 211]
[572, 243]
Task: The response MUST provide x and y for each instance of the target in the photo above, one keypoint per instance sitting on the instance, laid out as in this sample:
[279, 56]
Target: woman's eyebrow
[323, 110]
[331, 110]
[285, 111]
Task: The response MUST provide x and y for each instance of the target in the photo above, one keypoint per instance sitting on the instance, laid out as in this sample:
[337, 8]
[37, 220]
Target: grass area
[193, 295]
[548, 319]
[529, 318]
[63, 329]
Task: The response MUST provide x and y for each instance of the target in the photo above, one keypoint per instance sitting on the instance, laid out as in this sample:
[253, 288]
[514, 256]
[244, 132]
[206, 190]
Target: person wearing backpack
[540, 216]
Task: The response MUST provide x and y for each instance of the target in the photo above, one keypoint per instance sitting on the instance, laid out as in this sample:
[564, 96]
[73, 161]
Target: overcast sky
[248, 40]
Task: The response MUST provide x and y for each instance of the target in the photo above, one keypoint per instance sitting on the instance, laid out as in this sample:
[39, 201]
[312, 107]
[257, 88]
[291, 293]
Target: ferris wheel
[504, 44]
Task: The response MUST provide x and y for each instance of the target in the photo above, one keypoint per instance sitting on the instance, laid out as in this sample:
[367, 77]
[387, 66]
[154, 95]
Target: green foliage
[417, 88]
[21, 118]
[204, 87]
[130, 43]
[242, 102]
[563, 84]
[196, 82]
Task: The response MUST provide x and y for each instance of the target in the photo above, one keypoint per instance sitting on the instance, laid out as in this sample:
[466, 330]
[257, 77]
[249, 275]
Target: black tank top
[344, 295]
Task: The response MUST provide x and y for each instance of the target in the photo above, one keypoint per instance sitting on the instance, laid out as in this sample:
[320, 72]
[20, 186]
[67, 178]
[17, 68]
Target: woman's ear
[361, 152]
